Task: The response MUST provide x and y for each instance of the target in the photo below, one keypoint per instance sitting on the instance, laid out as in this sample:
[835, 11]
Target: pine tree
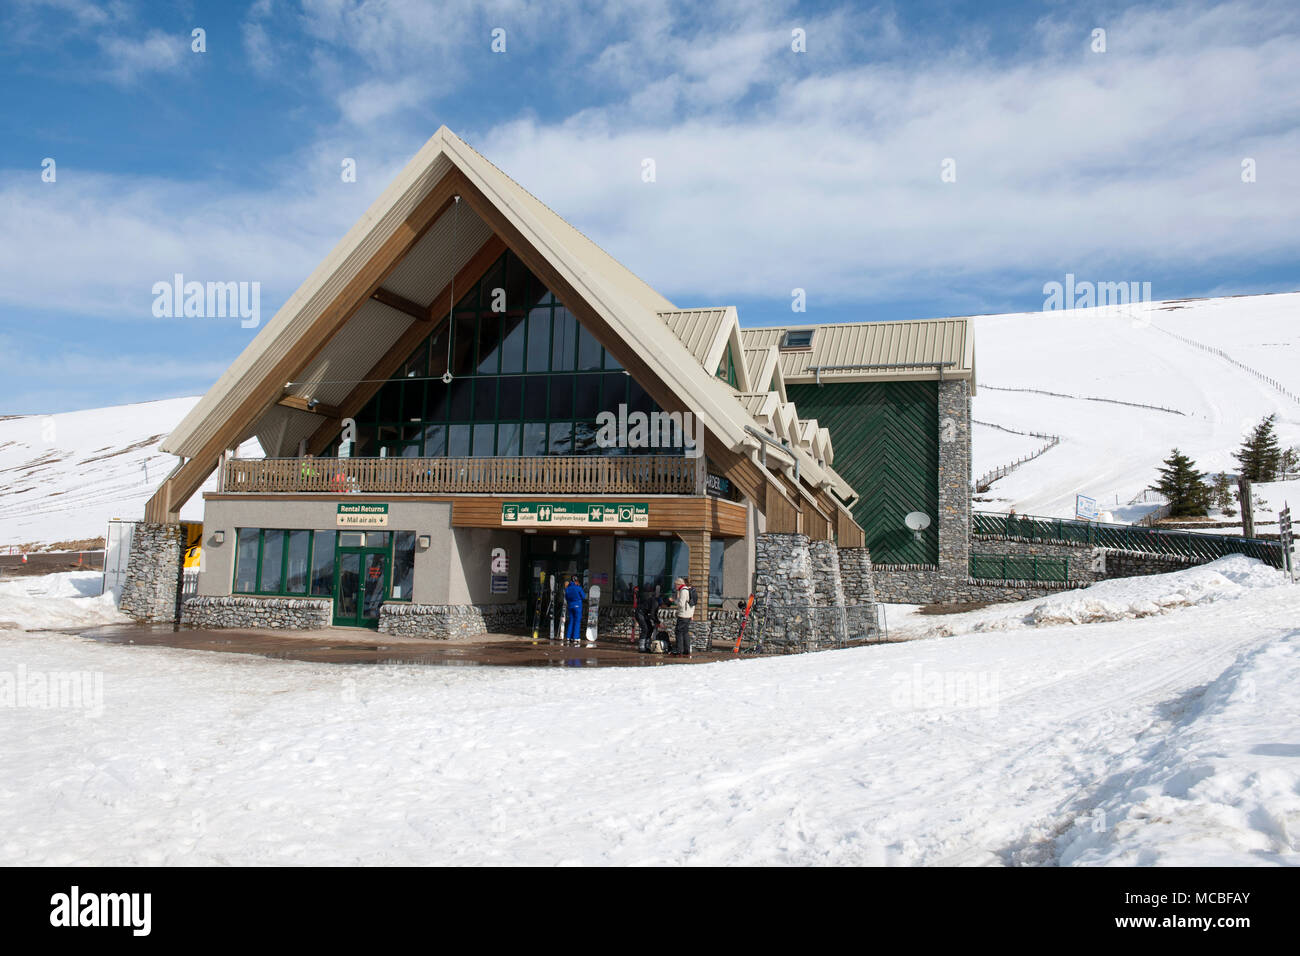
[1221, 494]
[1289, 463]
[1259, 456]
[1183, 486]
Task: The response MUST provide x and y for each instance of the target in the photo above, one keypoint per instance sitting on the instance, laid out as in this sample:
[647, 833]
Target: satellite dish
[917, 521]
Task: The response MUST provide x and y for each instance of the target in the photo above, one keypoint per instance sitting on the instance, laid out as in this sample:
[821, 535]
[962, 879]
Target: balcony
[553, 475]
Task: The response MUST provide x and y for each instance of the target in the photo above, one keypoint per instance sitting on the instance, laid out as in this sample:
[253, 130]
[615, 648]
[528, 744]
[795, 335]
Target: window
[532, 376]
[403, 565]
[322, 563]
[296, 562]
[272, 562]
[246, 560]
[284, 562]
[797, 339]
[651, 564]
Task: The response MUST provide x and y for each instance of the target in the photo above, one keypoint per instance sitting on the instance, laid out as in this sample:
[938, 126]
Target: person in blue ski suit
[573, 598]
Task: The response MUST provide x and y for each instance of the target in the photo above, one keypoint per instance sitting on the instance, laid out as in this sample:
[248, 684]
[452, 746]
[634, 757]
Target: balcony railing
[571, 474]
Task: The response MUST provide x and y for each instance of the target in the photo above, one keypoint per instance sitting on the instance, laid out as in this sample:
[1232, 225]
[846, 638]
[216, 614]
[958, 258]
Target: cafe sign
[574, 514]
[362, 516]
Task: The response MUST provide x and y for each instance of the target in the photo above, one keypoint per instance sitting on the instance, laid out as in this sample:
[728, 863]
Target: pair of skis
[749, 606]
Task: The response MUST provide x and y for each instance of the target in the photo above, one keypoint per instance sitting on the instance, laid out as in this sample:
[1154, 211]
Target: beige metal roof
[890, 350]
[632, 309]
[697, 329]
[760, 405]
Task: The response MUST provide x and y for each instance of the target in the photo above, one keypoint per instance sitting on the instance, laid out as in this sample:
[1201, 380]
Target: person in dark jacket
[647, 612]
[573, 598]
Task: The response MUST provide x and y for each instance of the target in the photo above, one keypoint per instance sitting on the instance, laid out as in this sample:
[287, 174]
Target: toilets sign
[574, 514]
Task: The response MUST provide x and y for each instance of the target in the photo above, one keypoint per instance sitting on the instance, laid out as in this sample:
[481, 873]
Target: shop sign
[574, 514]
[362, 516]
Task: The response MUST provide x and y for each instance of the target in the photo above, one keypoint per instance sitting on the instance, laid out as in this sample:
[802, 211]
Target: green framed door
[360, 585]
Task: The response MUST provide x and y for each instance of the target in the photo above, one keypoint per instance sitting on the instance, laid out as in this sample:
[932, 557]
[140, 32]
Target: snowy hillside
[1159, 358]
[1161, 734]
[62, 477]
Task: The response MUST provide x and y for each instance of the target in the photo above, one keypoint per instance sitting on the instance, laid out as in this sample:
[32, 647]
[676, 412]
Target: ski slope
[1198, 401]
[62, 477]
[1164, 733]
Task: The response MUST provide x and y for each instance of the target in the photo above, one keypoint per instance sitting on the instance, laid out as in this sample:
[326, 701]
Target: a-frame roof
[381, 284]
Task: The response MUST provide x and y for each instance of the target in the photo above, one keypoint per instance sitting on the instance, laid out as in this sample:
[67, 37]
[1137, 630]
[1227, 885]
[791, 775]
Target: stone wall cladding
[450, 621]
[803, 601]
[299, 614]
[149, 591]
[857, 576]
[954, 479]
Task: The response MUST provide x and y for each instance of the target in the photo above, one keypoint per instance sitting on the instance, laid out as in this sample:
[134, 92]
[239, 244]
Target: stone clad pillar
[149, 592]
[954, 489]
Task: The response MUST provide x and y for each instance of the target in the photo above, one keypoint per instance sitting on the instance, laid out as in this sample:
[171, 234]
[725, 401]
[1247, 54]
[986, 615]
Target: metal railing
[554, 474]
[1124, 537]
[1017, 567]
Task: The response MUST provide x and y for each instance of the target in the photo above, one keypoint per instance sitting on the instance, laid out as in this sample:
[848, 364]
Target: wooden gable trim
[165, 504]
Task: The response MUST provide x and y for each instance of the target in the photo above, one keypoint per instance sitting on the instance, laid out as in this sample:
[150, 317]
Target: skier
[683, 600]
[573, 598]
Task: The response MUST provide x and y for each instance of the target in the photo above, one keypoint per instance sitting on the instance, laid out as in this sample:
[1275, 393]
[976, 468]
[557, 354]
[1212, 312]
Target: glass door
[360, 585]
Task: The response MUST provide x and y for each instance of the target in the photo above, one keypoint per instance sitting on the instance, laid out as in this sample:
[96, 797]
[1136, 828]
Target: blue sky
[774, 169]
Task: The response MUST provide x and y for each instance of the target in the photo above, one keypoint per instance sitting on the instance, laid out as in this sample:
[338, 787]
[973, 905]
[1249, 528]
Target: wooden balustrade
[559, 475]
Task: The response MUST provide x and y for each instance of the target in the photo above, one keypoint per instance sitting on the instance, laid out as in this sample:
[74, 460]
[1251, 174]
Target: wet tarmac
[347, 646]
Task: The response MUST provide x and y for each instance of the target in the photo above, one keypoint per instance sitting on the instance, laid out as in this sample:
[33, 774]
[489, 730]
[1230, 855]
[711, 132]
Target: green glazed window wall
[526, 381]
[298, 563]
[651, 564]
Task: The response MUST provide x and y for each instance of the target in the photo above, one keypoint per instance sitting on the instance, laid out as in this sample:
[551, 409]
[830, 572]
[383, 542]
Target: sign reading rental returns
[363, 516]
[575, 514]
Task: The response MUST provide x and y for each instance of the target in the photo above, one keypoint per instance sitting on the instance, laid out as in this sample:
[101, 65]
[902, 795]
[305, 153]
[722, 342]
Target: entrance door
[559, 558]
[360, 584]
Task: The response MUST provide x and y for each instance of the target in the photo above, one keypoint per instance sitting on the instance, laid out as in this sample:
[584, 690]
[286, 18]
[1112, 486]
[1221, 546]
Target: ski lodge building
[468, 392]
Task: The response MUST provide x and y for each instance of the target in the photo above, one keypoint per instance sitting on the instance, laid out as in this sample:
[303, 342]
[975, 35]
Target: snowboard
[537, 608]
[563, 605]
[593, 612]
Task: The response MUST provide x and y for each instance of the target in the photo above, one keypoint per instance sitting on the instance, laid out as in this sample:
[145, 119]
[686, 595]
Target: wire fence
[1123, 537]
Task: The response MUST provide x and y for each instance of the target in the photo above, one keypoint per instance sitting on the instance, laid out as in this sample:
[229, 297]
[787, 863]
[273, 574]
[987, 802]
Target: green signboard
[362, 516]
[575, 514]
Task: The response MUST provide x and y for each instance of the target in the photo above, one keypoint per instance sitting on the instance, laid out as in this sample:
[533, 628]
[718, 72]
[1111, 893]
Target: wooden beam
[303, 404]
[398, 353]
[401, 304]
[180, 486]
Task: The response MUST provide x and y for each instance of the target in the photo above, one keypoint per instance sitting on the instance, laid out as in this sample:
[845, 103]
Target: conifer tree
[1260, 457]
[1183, 486]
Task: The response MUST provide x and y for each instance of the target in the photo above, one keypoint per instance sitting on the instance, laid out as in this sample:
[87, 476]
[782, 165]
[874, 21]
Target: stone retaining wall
[446, 621]
[149, 591]
[300, 614]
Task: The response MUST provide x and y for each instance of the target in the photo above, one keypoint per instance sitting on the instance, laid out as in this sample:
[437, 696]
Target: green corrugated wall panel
[886, 440]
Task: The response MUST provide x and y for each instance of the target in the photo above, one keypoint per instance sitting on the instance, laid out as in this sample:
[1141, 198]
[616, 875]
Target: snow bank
[1114, 600]
[1218, 787]
[68, 599]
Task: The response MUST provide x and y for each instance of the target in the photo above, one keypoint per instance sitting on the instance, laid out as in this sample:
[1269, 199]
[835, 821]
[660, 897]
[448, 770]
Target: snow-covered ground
[1110, 452]
[1164, 733]
[68, 599]
[64, 476]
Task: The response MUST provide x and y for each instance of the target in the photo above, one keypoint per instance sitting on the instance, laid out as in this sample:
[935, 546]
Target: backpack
[692, 596]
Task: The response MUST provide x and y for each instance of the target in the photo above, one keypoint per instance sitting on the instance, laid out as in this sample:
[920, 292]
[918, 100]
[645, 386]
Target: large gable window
[528, 380]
